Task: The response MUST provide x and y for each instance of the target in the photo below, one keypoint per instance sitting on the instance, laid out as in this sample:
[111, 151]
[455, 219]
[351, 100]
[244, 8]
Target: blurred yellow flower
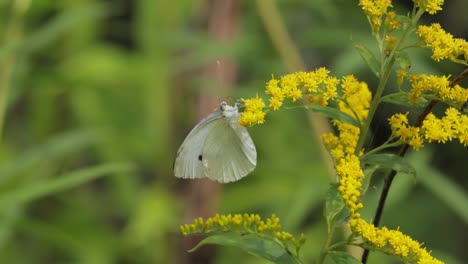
[243, 224]
[430, 6]
[454, 125]
[253, 113]
[375, 10]
[443, 44]
[392, 242]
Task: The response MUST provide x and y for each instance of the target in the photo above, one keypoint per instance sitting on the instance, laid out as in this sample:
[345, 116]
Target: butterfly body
[218, 148]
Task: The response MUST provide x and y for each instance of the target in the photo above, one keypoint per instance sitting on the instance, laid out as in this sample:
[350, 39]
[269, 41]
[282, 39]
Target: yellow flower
[275, 103]
[393, 242]
[433, 128]
[350, 183]
[401, 74]
[391, 22]
[398, 120]
[243, 224]
[375, 9]
[357, 97]
[390, 43]
[454, 125]
[253, 113]
[443, 44]
[430, 6]
[416, 142]
[438, 87]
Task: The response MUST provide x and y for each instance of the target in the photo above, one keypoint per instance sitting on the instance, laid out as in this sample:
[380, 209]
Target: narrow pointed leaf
[402, 99]
[252, 244]
[334, 113]
[333, 205]
[369, 171]
[69, 180]
[342, 258]
[390, 161]
[369, 58]
[405, 21]
[55, 148]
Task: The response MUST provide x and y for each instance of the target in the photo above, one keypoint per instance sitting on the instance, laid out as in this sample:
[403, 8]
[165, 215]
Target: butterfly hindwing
[229, 152]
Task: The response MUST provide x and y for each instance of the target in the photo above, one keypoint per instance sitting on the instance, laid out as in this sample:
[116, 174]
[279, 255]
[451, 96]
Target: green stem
[385, 71]
[279, 34]
[325, 247]
[338, 245]
[289, 53]
[12, 34]
[381, 147]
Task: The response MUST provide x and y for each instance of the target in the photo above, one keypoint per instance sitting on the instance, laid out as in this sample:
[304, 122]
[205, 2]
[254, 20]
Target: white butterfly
[218, 148]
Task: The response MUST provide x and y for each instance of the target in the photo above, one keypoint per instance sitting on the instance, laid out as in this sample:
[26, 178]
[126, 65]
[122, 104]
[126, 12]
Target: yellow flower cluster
[443, 44]
[437, 87]
[391, 23]
[392, 242]
[408, 134]
[430, 6]
[317, 85]
[454, 125]
[244, 224]
[383, 239]
[253, 113]
[350, 183]
[355, 101]
[375, 10]
[353, 98]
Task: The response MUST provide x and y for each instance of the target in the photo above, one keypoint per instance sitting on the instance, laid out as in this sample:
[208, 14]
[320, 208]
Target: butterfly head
[227, 110]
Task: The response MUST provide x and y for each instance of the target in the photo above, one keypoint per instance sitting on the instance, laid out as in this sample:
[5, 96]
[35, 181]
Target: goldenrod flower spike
[392, 242]
[430, 6]
[443, 44]
[243, 224]
[253, 113]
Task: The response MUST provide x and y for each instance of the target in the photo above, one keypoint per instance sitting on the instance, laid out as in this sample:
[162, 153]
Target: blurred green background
[96, 96]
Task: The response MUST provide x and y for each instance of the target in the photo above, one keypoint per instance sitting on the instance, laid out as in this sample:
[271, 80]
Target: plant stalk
[403, 150]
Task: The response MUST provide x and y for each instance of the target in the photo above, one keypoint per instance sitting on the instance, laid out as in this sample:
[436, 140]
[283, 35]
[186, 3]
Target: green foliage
[253, 244]
[390, 161]
[333, 206]
[340, 257]
[95, 99]
[334, 113]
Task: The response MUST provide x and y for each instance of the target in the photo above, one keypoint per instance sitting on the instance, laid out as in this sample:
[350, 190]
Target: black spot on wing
[200, 157]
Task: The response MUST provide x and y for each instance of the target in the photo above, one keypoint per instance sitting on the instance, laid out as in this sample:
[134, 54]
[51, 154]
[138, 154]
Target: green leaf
[340, 257]
[368, 172]
[369, 58]
[333, 205]
[253, 244]
[403, 59]
[69, 180]
[55, 148]
[390, 161]
[405, 21]
[334, 114]
[53, 30]
[402, 99]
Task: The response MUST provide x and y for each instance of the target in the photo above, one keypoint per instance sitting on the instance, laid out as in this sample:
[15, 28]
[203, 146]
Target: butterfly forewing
[229, 152]
[188, 163]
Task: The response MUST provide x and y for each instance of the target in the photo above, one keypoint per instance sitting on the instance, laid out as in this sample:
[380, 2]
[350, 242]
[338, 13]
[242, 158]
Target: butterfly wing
[229, 152]
[188, 163]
